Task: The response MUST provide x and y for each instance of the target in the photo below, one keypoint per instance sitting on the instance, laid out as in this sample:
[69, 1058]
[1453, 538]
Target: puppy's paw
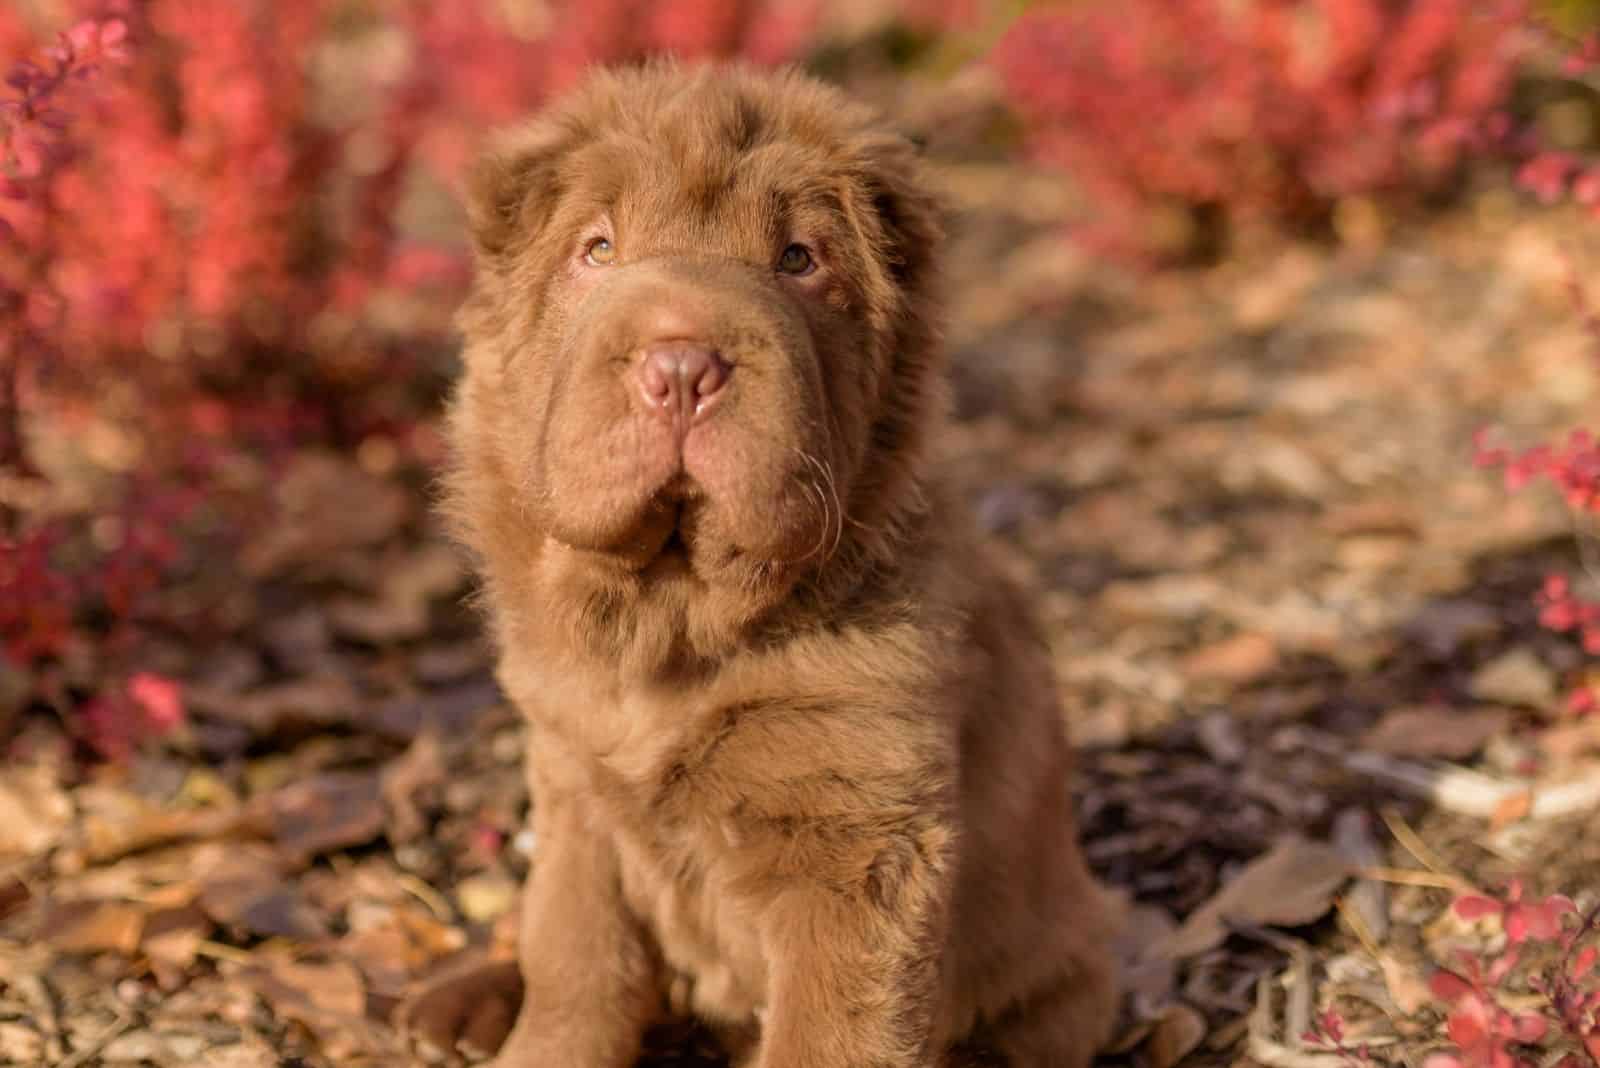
[466, 1012]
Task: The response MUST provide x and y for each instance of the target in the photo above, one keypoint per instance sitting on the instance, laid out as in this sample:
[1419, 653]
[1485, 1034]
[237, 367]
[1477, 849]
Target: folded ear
[909, 216]
[515, 183]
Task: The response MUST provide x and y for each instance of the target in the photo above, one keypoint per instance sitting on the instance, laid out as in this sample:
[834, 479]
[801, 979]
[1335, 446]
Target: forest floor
[1295, 627]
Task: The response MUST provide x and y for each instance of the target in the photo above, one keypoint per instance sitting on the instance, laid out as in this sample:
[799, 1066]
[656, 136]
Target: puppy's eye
[600, 252]
[796, 260]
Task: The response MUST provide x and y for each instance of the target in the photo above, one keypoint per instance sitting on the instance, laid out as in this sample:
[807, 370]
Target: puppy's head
[699, 355]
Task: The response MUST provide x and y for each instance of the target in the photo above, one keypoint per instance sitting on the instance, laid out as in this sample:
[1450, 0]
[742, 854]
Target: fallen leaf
[1291, 885]
[1433, 731]
[328, 999]
[172, 954]
[248, 889]
[392, 953]
[319, 701]
[1517, 677]
[14, 894]
[34, 811]
[451, 710]
[20, 1044]
[1240, 659]
[326, 813]
[94, 927]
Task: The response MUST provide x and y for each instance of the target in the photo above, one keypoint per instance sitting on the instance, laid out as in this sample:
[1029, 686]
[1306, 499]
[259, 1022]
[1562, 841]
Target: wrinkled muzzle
[686, 423]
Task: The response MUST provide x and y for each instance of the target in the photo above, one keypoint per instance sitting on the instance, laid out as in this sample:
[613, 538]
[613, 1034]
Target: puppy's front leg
[589, 981]
[854, 972]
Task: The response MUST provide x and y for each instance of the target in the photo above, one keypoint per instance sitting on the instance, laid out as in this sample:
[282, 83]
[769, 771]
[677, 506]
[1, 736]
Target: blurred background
[1261, 312]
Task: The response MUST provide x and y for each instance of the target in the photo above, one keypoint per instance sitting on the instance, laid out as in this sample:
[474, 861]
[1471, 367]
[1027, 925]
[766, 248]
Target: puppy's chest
[650, 765]
[683, 845]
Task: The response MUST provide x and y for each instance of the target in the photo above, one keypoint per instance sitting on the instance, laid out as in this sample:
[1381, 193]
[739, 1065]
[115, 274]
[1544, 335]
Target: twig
[1358, 925]
[219, 951]
[1407, 877]
[1263, 1047]
[82, 1056]
[1462, 790]
[1472, 793]
[1415, 845]
[1297, 998]
[431, 898]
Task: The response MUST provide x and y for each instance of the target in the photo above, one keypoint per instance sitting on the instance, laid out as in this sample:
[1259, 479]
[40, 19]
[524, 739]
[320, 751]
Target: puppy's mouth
[662, 546]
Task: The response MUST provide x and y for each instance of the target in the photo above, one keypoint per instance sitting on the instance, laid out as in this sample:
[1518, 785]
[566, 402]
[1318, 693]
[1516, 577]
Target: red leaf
[1583, 963]
[1541, 921]
[159, 698]
[1442, 1060]
[1476, 906]
[1448, 987]
[1530, 1027]
[1468, 1023]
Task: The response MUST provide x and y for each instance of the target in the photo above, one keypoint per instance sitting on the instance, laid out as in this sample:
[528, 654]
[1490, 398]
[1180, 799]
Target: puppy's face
[697, 340]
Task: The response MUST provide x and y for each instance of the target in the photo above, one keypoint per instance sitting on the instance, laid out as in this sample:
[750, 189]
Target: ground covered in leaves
[1295, 627]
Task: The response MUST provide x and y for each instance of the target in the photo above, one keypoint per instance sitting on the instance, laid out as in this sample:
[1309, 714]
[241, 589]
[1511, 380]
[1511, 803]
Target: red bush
[1273, 108]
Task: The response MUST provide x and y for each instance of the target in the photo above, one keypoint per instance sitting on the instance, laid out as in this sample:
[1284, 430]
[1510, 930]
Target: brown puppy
[796, 760]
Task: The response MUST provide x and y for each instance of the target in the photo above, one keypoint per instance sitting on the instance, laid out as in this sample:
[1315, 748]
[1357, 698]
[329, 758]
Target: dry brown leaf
[14, 894]
[1431, 731]
[451, 710]
[327, 813]
[94, 927]
[248, 889]
[395, 951]
[1291, 885]
[318, 701]
[1517, 677]
[329, 999]
[1241, 659]
[34, 812]
[172, 954]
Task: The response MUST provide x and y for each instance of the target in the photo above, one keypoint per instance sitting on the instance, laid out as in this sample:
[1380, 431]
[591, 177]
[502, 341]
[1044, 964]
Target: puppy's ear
[909, 215]
[514, 185]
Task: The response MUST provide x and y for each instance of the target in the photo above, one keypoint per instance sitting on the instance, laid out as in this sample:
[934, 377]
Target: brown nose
[679, 381]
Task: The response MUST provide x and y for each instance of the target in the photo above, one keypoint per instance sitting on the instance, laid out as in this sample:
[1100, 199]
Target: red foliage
[1554, 176]
[1484, 1033]
[1276, 108]
[1574, 469]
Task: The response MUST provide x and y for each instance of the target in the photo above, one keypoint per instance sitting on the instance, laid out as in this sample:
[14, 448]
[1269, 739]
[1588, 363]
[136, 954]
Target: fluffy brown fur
[795, 754]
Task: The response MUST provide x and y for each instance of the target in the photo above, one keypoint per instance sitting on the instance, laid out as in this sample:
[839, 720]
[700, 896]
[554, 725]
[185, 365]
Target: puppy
[796, 760]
